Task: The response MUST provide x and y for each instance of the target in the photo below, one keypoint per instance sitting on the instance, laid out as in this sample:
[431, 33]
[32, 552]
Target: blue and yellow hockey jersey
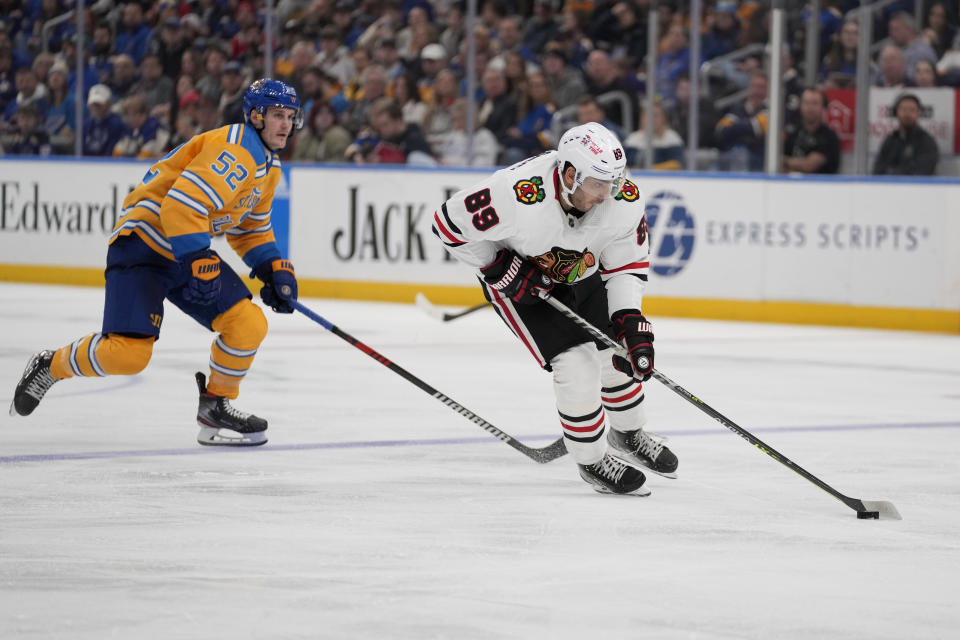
[218, 182]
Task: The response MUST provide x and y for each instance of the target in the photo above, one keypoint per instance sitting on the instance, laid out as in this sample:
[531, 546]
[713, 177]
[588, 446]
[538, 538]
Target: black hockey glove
[636, 334]
[515, 278]
[203, 287]
[279, 284]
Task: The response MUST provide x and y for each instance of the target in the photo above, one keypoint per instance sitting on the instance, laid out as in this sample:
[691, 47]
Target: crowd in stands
[384, 81]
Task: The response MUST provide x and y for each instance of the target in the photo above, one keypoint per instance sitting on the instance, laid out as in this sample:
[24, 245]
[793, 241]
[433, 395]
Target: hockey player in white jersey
[568, 221]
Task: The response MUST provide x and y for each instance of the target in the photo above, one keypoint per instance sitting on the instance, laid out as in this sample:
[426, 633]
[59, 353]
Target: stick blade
[428, 307]
[884, 510]
[548, 454]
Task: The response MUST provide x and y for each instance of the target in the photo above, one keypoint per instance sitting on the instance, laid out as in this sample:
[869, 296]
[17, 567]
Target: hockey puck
[868, 515]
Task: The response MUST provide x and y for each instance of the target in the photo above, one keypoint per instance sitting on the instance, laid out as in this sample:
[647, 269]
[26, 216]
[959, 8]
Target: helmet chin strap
[259, 131]
[565, 192]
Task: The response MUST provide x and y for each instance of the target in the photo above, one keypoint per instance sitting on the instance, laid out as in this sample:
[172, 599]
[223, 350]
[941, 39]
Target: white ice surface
[377, 512]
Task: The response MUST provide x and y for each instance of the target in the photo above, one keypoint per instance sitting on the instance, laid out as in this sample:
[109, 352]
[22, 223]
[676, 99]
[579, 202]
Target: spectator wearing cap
[231, 100]
[566, 84]
[334, 58]
[29, 91]
[322, 140]
[134, 36]
[103, 128]
[145, 136]
[169, 43]
[28, 136]
[61, 116]
[724, 32]
[209, 84]
[123, 79]
[433, 58]
[208, 113]
[908, 150]
[184, 116]
[156, 88]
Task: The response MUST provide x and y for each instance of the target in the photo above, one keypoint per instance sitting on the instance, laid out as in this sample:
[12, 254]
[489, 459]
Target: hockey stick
[542, 455]
[431, 310]
[866, 509]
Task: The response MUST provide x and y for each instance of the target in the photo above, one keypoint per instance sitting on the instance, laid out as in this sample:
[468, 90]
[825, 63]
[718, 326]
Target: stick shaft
[542, 455]
[597, 334]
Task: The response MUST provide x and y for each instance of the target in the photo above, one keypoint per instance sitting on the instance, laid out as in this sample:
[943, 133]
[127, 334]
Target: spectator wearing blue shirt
[103, 129]
[673, 63]
[61, 116]
[133, 39]
[722, 37]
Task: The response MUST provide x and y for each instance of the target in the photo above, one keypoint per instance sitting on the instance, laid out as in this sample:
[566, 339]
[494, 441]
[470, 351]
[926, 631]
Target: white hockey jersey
[519, 208]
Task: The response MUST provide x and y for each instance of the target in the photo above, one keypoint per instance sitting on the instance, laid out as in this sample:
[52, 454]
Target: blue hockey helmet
[266, 92]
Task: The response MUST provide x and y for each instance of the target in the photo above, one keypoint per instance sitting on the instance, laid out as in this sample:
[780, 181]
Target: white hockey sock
[576, 385]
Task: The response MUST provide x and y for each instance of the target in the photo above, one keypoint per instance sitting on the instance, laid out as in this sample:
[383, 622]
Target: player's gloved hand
[279, 284]
[636, 334]
[203, 287]
[515, 277]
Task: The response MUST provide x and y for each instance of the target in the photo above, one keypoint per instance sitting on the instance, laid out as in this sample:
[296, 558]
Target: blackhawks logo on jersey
[530, 191]
[565, 265]
[628, 192]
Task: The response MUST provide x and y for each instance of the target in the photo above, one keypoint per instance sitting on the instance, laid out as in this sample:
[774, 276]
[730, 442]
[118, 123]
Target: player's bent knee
[576, 374]
[124, 355]
[243, 325]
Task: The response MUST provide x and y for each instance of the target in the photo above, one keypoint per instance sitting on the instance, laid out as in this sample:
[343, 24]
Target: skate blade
[212, 436]
[641, 492]
[639, 462]
[13, 410]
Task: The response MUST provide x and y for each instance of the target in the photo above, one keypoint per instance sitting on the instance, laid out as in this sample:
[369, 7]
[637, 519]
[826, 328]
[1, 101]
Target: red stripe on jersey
[632, 265]
[513, 322]
[443, 229]
[593, 427]
[623, 397]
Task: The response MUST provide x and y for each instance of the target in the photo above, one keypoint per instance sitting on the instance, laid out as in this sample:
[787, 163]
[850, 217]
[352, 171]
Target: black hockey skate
[223, 425]
[613, 476]
[637, 447]
[33, 385]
